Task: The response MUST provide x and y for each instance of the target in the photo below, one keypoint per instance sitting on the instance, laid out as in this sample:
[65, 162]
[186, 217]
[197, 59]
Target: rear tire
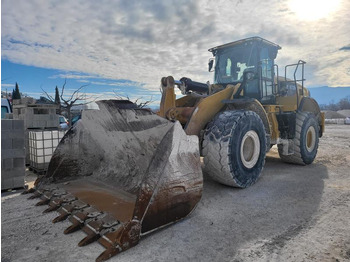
[305, 143]
[234, 148]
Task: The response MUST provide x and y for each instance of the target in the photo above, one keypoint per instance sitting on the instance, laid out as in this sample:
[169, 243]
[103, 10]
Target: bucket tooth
[43, 202]
[108, 253]
[51, 208]
[92, 229]
[89, 239]
[95, 228]
[56, 202]
[67, 210]
[119, 238]
[39, 192]
[36, 194]
[72, 228]
[60, 218]
[78, 218]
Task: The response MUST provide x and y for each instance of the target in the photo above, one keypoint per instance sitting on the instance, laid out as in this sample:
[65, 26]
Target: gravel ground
[292, 213]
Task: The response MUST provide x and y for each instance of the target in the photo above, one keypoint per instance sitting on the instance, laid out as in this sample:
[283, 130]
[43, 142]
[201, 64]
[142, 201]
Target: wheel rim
[250, 149]
[310, 138]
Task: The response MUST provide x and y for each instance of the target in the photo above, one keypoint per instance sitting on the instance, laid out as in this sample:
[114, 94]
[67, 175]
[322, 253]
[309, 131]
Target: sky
[124, 47]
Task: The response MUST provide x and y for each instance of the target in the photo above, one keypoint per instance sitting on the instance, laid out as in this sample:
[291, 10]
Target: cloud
[74, 76]
[8, 85]
[142, 41]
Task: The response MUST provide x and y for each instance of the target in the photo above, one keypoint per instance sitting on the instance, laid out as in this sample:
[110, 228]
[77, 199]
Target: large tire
[234, 148]
[305, 142]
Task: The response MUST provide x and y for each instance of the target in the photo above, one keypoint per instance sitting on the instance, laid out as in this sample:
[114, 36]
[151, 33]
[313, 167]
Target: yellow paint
[206, 110]
[275, 133]
[322, 122]
[185, 101]
[289, 103]
[168, 97]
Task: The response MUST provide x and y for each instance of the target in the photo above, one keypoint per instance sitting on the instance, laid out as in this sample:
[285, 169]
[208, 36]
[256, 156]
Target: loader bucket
[121, 173]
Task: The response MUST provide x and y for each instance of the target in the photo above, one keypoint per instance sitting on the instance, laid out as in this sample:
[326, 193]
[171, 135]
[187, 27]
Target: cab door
[266, 75]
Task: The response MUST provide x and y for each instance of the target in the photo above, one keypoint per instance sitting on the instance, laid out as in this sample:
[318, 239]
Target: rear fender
[309, 104]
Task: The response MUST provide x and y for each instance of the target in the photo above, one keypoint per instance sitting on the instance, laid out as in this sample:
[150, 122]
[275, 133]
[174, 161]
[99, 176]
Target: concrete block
[32, 124]
[6, 144]
[10, 134]
[26, 145]
[41, 110]
[52, 123]
[13, 153]
[17, 172]
[19, 162]
[44, 117]
[27, 101]
[6, 183]
[8, 116]
[41, 124]
[16, 111]
[14, 172]
[53, 117]
[18, 143]
[29, 117]
[7, 163]
[18, 124]
[16, 101]
[6, 124]
[27, 111]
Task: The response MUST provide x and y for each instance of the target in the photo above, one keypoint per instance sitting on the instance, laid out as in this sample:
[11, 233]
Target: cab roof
[239, 42]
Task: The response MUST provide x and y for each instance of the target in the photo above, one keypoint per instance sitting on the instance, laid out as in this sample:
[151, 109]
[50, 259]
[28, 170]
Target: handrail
[302, 63]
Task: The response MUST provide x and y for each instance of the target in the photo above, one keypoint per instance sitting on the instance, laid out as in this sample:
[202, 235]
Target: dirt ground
[293, 213]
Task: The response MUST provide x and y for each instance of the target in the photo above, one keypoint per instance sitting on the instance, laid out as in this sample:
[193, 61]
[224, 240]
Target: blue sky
[127, 46]
[32, 80]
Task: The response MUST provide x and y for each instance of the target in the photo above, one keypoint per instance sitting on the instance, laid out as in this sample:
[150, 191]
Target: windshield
[232, 61]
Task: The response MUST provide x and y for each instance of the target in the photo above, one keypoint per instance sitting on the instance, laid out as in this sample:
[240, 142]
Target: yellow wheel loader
[123, 172]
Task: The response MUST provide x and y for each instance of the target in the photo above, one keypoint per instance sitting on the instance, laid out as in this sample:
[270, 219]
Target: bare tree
[75, 99]
[139, 102]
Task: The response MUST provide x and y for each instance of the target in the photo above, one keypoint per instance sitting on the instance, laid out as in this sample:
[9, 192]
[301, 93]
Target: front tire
[234, 148]
[305, 142]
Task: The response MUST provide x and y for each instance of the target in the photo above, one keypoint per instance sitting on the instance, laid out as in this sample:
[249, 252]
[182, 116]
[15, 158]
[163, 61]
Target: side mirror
[210, 64]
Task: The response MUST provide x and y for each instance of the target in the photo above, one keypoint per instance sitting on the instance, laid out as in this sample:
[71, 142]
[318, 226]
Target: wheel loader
[122, 172]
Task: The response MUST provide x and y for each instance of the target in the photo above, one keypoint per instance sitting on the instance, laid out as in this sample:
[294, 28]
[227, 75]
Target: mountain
[326, 95]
